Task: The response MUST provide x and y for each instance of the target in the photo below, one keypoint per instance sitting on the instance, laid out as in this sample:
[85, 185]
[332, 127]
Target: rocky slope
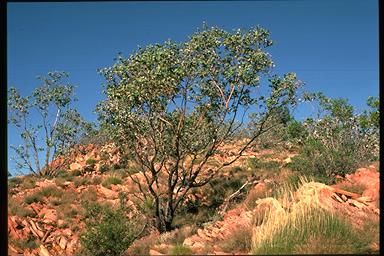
[45, 215]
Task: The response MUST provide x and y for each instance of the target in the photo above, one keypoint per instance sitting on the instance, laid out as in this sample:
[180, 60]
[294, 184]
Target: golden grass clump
[287, 224]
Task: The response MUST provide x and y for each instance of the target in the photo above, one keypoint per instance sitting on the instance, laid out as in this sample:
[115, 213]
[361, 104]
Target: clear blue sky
[332, 45]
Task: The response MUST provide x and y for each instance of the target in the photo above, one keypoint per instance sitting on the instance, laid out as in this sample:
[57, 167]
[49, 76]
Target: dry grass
[239, 241]
[296, 222]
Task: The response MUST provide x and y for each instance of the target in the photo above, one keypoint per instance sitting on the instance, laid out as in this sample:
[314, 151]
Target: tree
[173, 105]
[338, 141]
[60, 125]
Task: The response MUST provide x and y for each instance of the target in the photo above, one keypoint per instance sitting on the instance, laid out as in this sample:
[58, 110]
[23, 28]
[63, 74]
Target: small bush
[142, 246]
[91, 161]
[104, 168]
[75, 173]
[111, 180]
[89, 195]
[15, 208]
[96, 180]
[60, 182]
[108, 231]
[24, 244]
[14, 182]
[181, 250]
[28, 182]
[240, 240]
[51, 191]
[352, 187]
[255, 164]
[62, 174]
[80, 181]
[33, 198]
[67, 212]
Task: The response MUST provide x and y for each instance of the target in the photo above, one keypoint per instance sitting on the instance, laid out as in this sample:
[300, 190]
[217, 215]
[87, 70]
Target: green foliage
[181, 250]
[25, 243]
[352, 187]
[111, 180]
[75, 173]
[336, 143]
[15, 207]
[104, 168]
[34, 198]
[176, 100]
[29, 182]
[81, 181]
[61, 125]
[256, 163]
[14, 182]
[108, 231]
[51, 191]
[96, 180]
[91, 161]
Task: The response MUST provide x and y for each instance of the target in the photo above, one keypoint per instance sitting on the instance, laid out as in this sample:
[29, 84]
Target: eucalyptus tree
[46, 123]
[172, 105]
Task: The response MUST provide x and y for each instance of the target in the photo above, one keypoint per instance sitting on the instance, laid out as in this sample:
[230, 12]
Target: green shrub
[60, 182]
[15, 207]
[111, 180]
[104, 168]
[108, 231]
[181, 250]
[89, 195]
[75, 173]
[14, 182]
[91, 161]
[25, 243]
[34, 198]
[353, 187]
[96, 180]
[80, 181]
[337, 143]
[28, 182]
[256, 163]
[67, 212]
[62, 174]
[51, 191]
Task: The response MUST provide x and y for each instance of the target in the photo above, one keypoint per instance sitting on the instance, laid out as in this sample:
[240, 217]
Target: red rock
[43, 251]
[109, 194]
[75, 166]
[49, 214]
[154, 252]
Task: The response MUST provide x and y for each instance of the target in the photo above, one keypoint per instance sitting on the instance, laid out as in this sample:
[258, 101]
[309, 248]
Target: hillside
[256, 205]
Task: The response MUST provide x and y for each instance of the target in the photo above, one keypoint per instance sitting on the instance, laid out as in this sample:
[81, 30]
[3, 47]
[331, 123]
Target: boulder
[43, 251]
[63, 241]
[109, 194]
[75, 166]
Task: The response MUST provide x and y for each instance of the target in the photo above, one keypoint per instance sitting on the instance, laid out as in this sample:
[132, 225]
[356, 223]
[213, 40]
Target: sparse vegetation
[305, 228]
[181, 250]
[15, 207]
[113, 179]
[182, 128]
[239, 241]
[337, 143]
[353, 187]
[34, 198]
[81, 181]
[108, 231]
[27, 243]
